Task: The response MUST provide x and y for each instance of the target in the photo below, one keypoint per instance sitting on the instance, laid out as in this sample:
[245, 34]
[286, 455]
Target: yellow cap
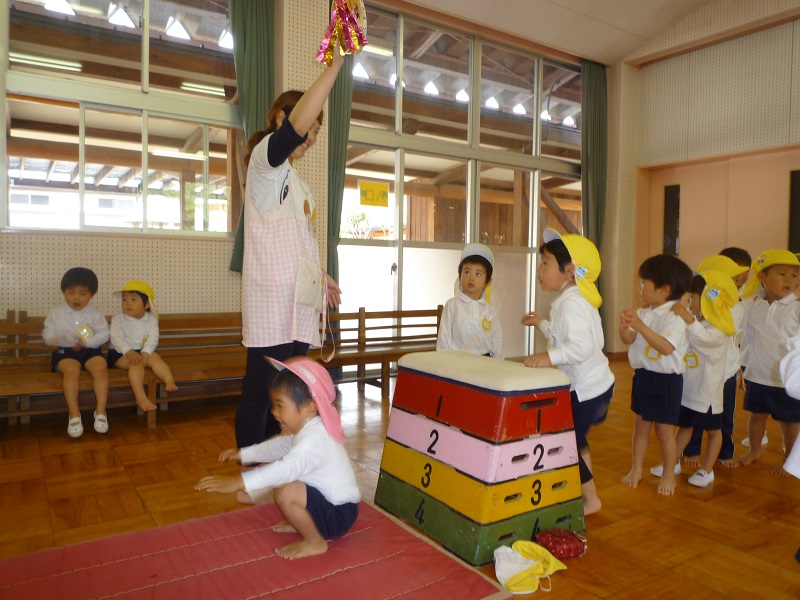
[718, 262]
[718, 296]
[137, 285]
[586, 258]
[766, 259]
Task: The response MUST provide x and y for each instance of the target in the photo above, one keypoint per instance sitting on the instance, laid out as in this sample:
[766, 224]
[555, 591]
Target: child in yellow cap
[709, 326]
[134, 338]
[738, 274]
[469, 323]
[569, 265]
[772, 317]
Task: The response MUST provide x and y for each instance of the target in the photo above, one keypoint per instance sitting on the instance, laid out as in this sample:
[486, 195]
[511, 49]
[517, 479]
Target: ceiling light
[379, 50]
[519, 110]
[43, 61]
[462, 96]
[430, 88]
[492, 103]
[176, 29]
[545, 115]
[226, 40]
[569, 122]
[360, 72]
[118, 15]
[59, 6]
[213, 90]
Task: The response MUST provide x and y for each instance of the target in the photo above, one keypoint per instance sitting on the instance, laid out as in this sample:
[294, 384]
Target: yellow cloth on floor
[546, 563]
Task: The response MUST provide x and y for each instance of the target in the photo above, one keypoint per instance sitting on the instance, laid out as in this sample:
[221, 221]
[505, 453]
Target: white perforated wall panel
[187, 274]
[794, 129]
[665, 109]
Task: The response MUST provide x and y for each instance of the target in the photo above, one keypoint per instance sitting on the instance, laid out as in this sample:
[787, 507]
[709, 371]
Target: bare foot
[283, 527]
[691, 461]
[170, 387]
[591, 506]
[302, 549]
[666, 486]
[729, 463]
[145, 404]
[779, 472]
[750, 457]
[632, 479]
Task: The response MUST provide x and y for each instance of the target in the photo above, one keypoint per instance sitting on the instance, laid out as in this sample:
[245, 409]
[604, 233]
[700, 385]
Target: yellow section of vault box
[475, 499]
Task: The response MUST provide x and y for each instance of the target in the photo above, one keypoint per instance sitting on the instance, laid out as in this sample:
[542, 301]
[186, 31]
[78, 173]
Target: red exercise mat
[232, 556]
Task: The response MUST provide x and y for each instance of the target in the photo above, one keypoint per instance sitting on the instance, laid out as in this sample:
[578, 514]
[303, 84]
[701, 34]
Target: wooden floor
[735, 539]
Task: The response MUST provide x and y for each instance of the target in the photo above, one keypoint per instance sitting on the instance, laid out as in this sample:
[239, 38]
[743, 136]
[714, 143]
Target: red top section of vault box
[496, 400]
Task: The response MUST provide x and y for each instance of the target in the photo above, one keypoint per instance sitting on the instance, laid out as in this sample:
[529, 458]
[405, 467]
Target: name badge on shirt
[692, 360]
[651, 352]
[486, 324]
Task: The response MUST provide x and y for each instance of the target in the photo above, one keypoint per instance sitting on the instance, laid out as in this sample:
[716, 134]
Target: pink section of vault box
[490, 463]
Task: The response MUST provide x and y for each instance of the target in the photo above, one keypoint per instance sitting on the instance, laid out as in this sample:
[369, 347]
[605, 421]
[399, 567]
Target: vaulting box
[496, 400]
[486, 461]
[471, 541]
[475, 499]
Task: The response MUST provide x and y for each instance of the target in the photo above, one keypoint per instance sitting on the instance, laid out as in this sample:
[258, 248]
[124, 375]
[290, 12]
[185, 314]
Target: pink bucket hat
[320, 384]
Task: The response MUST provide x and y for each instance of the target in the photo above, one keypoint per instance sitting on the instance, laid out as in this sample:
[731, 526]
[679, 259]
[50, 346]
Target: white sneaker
[75, 427]
[746, 441]
[701, 478]
[659, 470]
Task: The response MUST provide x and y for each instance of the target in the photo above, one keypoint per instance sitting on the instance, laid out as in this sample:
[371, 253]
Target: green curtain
[594, 157]
[339, 103]
[252, 25]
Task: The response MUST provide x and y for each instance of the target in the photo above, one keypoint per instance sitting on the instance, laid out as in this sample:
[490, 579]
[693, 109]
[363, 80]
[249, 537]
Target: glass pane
[369, 209]
[429, 276]
[435, 82]
[113, 174]
[561, 203]
[42, 162]
[221, 189]
[505, 206]
[175, 197]
[374, 74]
[191, 49]
[101, 40]
[435, 203]
[561, 112]
[367, 278]
[508, 105]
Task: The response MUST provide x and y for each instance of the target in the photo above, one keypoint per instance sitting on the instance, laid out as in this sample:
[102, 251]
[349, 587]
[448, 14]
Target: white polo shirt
[668, 325]
[704, 378]
[767, 329]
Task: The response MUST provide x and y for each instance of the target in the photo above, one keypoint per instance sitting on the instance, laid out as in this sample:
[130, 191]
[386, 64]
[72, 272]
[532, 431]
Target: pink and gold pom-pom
[347, 30]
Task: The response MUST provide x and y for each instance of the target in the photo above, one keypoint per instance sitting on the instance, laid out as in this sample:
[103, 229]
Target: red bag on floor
[562, 543]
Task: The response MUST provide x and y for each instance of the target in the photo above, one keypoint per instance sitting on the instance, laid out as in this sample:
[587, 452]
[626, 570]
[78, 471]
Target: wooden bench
[207, 359]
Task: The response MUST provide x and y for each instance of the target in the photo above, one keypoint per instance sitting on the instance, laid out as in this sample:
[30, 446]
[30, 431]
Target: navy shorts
[113, 357]
[774, 401]
[589, 412]
[702, 421]
[656, 397]
[332, 521]
[80, 355]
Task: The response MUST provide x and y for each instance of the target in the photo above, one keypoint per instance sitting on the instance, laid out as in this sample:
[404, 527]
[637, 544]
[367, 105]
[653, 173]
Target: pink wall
[738, 201]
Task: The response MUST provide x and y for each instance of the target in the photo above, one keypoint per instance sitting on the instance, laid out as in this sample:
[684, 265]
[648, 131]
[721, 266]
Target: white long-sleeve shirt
[310, 456]
[62, 324]
[668, 325]
[767, 329]
[471, 326]
[705, 357]
[130, 333]
[575, 344]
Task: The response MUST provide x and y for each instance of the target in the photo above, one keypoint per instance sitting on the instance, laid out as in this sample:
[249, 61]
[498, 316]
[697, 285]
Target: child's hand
[231, 454]
[134, 358]
[631, 317]
[532, 319]
[680, 309]
[218, 483]
[538, 360]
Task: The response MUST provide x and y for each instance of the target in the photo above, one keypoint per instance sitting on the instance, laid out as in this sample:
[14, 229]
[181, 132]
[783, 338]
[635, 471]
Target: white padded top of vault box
[483, 371]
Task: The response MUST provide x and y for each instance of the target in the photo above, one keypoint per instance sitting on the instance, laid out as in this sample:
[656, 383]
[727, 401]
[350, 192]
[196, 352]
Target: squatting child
[134, 338]
[569, 265]
[469, 322]
[314, 484]
[77, 330]
[709, 327]
[772, 317]
[657, 339]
